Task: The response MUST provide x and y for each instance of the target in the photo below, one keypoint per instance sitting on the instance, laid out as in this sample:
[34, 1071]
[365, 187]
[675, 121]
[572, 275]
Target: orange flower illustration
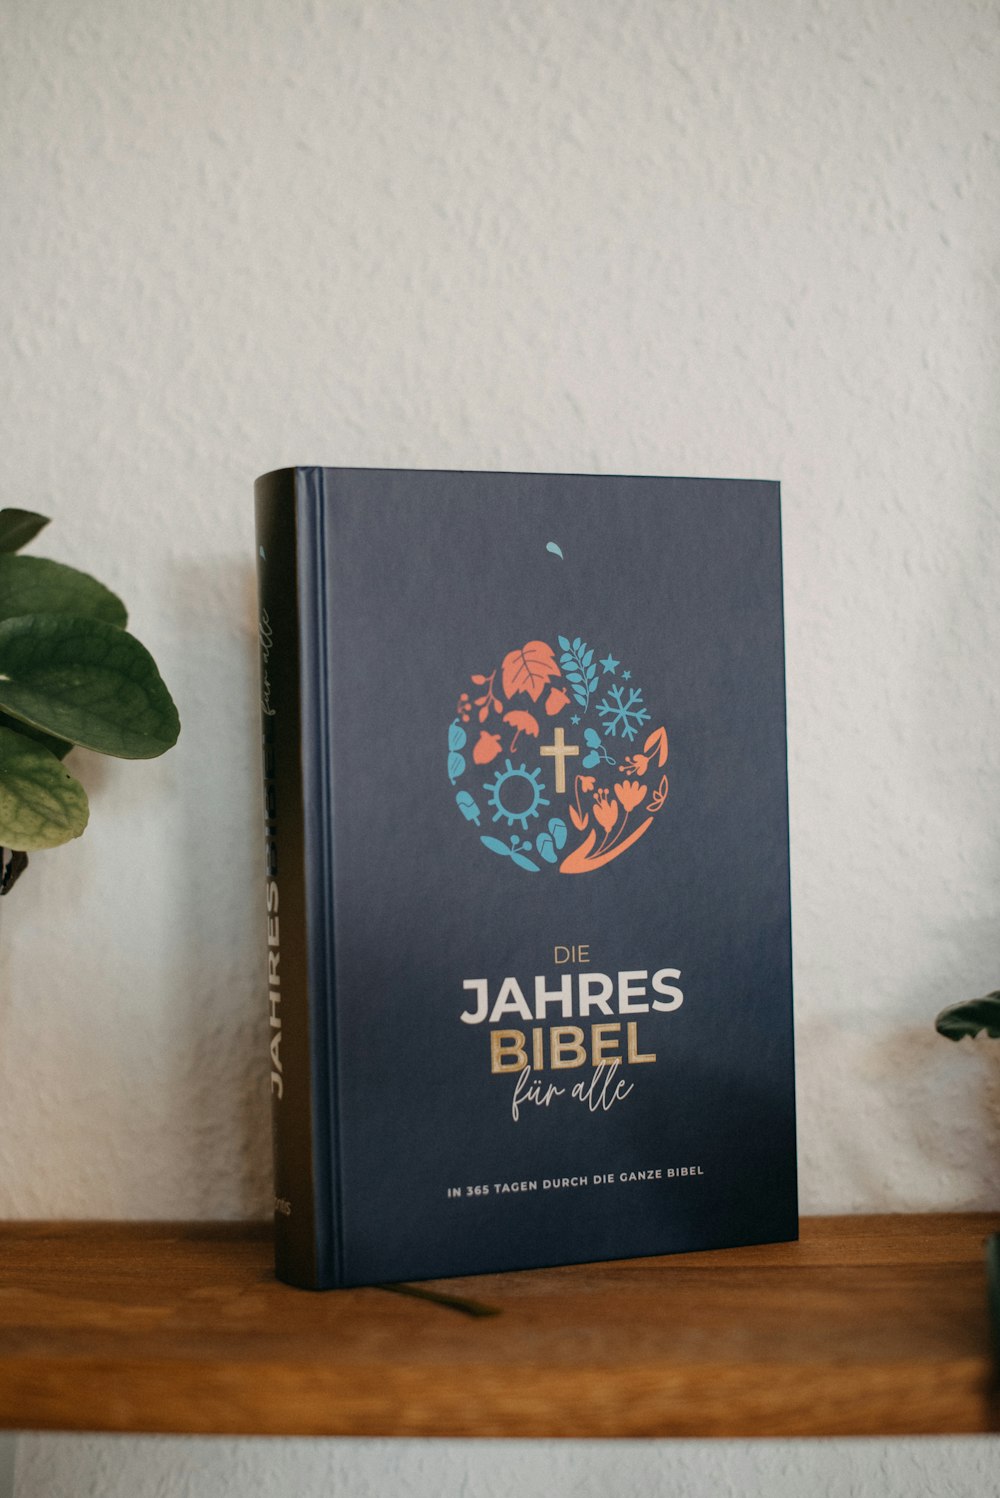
[577, 815]
[654, 747]
[631, 793]
[605, 811]
[636, 764]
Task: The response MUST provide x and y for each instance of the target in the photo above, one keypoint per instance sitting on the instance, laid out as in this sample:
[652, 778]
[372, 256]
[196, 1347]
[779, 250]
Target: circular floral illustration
[556, 759]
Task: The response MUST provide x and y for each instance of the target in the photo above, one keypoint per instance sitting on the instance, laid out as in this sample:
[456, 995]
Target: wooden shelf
[869, 1325]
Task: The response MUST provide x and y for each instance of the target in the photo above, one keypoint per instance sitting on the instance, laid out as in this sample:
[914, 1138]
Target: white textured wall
[737, 237]
[151, 1467]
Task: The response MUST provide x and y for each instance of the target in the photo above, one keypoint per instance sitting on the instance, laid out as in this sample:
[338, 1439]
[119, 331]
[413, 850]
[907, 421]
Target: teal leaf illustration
[555, 550]
[32, 585]
[18, 527]
[495, 846]
[559, 832]
[41, 805]
[85, 681]
[524, 863]
[456, 766]
[457, 736]
[467, 806]
[577, 662]
[546, 847]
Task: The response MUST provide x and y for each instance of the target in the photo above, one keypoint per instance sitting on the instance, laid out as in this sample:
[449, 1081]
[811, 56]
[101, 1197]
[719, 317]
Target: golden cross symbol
[559, 750]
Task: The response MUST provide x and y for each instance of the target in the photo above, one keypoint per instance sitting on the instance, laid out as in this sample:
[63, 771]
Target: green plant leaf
[59, 747]
[970, 1018]
[33, 585]
[41, 805]
[18, 527]
[88, 682]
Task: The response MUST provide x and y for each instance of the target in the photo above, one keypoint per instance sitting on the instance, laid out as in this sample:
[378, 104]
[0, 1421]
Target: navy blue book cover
[528, 887]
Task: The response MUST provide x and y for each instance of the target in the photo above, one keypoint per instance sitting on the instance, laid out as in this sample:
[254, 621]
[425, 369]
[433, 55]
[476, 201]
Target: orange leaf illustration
[657, 742]
[523, 722]
[488, 746]
[659, 796]
[528, 669]
[555, 701]
[584, 858]
[579, 819]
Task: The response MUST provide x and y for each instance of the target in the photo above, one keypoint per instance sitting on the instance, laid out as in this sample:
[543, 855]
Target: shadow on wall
[954, 1112]
[221, 1073]
[922, 1132]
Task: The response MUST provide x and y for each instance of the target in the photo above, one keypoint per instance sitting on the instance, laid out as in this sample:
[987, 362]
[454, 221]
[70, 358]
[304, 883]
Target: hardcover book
[527, 887]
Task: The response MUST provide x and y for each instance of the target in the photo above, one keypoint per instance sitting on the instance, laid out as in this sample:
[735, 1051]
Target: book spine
[289, 996]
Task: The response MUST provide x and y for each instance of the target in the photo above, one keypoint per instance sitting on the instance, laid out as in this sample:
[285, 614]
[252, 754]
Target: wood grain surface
[868, 1325]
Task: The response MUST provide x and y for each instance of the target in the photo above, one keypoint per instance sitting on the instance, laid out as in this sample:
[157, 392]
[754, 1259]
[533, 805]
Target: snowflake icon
[626, 714]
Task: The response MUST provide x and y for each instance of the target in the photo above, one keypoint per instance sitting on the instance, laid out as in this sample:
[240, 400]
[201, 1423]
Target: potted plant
[70, 674]
[971, 1018]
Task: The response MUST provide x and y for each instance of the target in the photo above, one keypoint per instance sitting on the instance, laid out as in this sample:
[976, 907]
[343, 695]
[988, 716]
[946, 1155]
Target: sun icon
[516, 794]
